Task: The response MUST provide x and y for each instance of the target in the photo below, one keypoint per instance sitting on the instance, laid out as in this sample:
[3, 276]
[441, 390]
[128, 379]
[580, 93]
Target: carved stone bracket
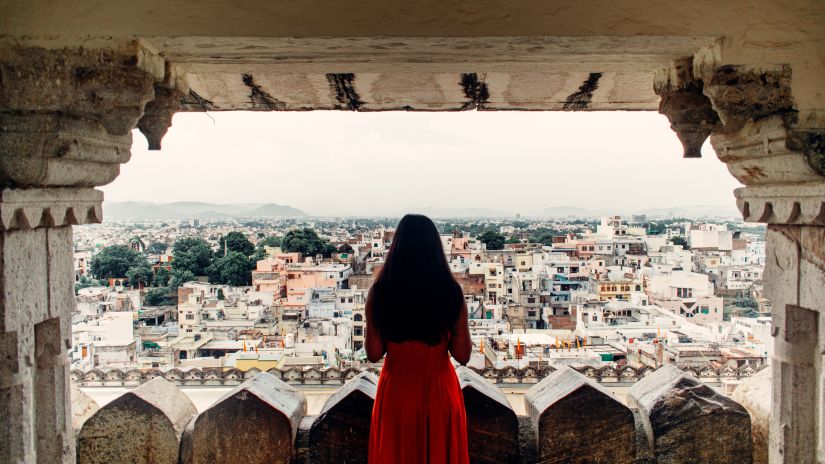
[157, 117]
[51, 207]
[689, 111]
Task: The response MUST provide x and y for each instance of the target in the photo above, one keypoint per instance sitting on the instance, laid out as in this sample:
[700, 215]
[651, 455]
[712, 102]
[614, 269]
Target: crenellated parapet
[571, 418]
[623, 376]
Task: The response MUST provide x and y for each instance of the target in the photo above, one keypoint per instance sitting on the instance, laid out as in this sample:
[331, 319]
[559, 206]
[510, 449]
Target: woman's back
[416, 316]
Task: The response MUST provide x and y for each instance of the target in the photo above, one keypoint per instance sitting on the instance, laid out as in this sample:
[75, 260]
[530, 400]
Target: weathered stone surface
[740, 93]
[578, 421]
[108, 86]
[689, 422]
[157, 116]
[689, 111]
[754, 394]
[141, 426]
[83, 407]
[186, 442]
[341, 432]
[256, 422]
[492, 425]
[50, 207]
[36, 299]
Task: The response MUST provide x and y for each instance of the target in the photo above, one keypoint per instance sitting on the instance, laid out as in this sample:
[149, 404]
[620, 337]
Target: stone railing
[333, 376]
[671, 416]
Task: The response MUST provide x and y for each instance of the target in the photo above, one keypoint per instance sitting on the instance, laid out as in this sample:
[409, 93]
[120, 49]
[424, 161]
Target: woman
[415, 314]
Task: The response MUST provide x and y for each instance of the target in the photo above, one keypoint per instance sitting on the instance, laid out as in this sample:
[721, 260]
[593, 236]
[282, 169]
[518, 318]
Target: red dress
[418, 415]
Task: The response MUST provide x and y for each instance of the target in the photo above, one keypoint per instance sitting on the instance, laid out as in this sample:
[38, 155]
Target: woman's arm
[375, 343]
[460, 344]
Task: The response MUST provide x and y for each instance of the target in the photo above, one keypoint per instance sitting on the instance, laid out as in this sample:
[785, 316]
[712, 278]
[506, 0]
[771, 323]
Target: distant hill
[567, 211]
[461, 212]
[691, 211]
[195, 210]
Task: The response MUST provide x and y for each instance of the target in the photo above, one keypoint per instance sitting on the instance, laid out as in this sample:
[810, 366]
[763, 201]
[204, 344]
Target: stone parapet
[565, 404]
[687, 422]
[625, 376]
[256, 422]
[144, 425]
[262, 420]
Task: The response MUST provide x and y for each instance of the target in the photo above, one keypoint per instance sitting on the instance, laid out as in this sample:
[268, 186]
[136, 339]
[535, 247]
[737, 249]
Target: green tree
[345, 248]
[161, 296]
[192, 254]
[236, 241]
[114, 261]
[140, 274]
[232, 269]
[180, 277]
[307, 242]
[157, 248]
[679, 240]
[137, 244]
[512, 240]
[654, 228]
[493, 239]
[545, 238]
[221, 296]
[162, 277]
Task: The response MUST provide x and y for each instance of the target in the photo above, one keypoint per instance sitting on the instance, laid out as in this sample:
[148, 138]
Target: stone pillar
[775, 146]
[65, 126]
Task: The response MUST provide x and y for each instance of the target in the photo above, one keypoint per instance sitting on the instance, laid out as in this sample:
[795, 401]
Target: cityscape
[289, 293]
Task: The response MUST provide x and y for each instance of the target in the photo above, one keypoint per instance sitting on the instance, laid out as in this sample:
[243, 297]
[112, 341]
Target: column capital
[49, 207]
[751, 118]
[66, 115]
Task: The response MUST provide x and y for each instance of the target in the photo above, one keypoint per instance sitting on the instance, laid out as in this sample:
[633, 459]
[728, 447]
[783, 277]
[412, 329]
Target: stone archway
[74, 84]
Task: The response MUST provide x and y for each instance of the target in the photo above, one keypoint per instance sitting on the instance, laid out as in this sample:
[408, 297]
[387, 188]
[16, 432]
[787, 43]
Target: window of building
[190, 317]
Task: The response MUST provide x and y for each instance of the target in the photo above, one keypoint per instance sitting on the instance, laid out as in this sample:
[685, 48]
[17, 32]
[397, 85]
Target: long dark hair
[415, 296]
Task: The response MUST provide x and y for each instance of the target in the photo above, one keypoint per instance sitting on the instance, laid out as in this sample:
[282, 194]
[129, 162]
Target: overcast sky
[344, 163]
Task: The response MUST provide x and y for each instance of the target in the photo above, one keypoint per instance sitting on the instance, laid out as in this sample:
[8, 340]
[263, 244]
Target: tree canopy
[140, 274]
[307, 242]
[162, 277]
[232, 269]
[236, 241]
[192, 254]
[115, 261]
[493, 239]
[161, 296]
[180, 277]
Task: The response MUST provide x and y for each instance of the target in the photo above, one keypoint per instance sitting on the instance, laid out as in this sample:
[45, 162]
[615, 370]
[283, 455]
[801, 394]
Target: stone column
[777, 151]
[65, 126]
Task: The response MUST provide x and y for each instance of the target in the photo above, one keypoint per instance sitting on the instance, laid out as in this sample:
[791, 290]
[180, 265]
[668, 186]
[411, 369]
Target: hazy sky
[344, 163]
